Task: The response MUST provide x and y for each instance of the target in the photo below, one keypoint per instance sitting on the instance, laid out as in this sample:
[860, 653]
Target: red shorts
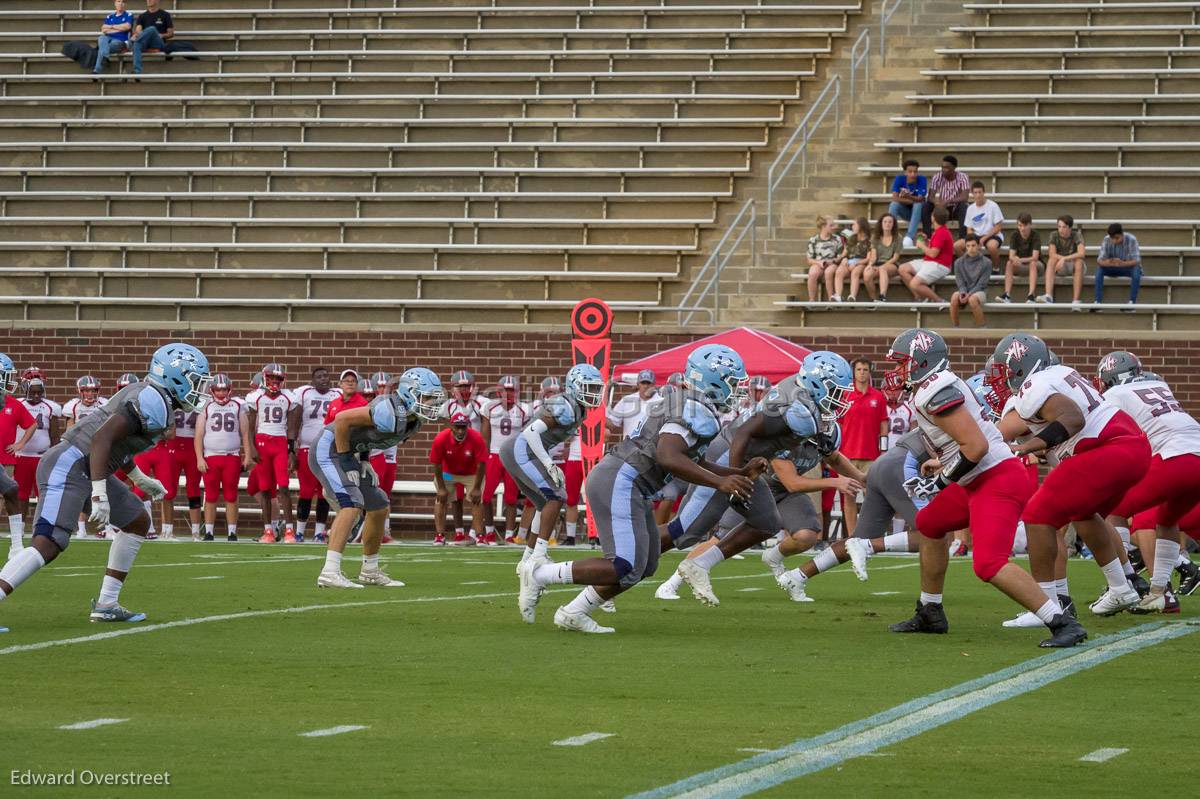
[991, 506]
[1035, 477]
[156, 462]
[573, 472]
[495, 475]
[386, 472]
[1095, 478]
[1148, 519]
[254, 487]
[25, 473]
[272, 465]
[1172, 485]
[310, 486]
[183, 461]
[222, 477]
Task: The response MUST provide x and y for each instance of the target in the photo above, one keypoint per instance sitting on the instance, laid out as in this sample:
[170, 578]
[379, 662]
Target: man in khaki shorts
[938, 254]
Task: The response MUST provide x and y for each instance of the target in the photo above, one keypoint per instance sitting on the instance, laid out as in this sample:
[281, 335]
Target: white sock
[21, 567]
[459, 531]
[1127, 569]
[208, 528]
[554, 573]
[539, 548]
[300, 525]
[931, 599]
[1166, 552]
[370, 563]
[82, 528]
[896, 542]
[16, 524]
[233, 529]
[333, 561]
[523, 532]
[674, 581]
[525, 553]
[825, 560]
[536, 524]
[709, 558]
[110, 592]
[1124, 533]
[1115, 576]
[571, 528]
[489, 528]
[586, 602]
[1048, 611]
[1061, 588]
[1050, 589]
[319, 529]
[168, 530]
[798, 575]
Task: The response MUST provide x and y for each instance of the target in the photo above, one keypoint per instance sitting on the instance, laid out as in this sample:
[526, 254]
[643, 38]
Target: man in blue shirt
[908, 199]
[114, 34]
[1119, 257]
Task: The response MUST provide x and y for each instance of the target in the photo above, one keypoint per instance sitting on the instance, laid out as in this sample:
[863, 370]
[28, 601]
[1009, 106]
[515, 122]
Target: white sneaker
[773, 559]
[1151, 603]
[908, 243]
[737, 557]
[335, 580]
[167, 536]
[579, 622]
[698, 580]
[1044, 299]
[858, 550]
[1076, 306]
[530, 592]
[666, 590]
[609, 607]
[542, 560]
[378, 577]
[794, 588]
[80, 534]
[1026, 619]
[1112, 602]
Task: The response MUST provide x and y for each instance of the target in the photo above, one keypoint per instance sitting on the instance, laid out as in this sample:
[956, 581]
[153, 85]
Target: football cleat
[335, 580]
[666, 590]
[578, 622]
[319, 538]
[1112, 602]
[794, 587]
[1135, 559]
[1065, 632]
[609, 606]
[929, 618]
[268, 537]
[510, 539]
[114, 613]
[1189, 578]
[1068, 606]
[1026, 619]
[208, 537]
[698, 580]
[462, 540]
[1139, 584]
[231, 537]
[289, 537]
[858, 550]
[439, 540]
[569, 541]
[491, 539]
[3, 629]
[378, 577]
[167, 536]
[530, 592]
[773, 560]
[1157, 603]
[387, 539]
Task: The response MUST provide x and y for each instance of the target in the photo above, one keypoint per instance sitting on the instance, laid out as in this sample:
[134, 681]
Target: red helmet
[221, 382]
[88, 387]
[366, 387]
[273, 376]
[32, 373]
[127, 379]
[551, 386]
[382, 382]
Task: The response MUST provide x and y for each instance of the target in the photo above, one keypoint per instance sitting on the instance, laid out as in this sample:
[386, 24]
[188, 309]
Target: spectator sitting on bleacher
[985, 220]
[1024, 254]
[856, 260]
[919, 275]
[971, 273]
[950, 189]
[1119, 257]
[153, 29]
[884, 259]
[908, 198]
[1065, 252]
[114, 35]
[824, 253]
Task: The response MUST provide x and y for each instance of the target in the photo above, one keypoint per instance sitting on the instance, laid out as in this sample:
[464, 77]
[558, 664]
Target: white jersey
[505, 423]
[75, 411]
[42, 413]
[272, 411]
[629, 412]
[1171, 430]
[1010, 405]
[473, 408]
[223, 427]
[389, 454]
[185, 424]
[900, 421]
[313, 406]
[575, 453]
[1064, 380]
[939, 393]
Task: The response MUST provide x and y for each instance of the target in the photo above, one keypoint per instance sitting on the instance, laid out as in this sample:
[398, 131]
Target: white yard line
[747, 590]
[1102, 755]
[334, 731]
[91, 725]
[210, 577]
[476, 582]
[586, 738]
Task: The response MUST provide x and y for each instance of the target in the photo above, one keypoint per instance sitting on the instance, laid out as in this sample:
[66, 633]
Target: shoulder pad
[560, 409]
[944, 399]
[700, 419]
[152, 408]
[383, 414]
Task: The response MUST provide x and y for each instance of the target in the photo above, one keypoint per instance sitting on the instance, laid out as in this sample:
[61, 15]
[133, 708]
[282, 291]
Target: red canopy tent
[764, 354]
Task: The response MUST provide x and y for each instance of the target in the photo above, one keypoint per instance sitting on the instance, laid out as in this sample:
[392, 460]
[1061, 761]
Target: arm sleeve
[533, 437]
[911, 466]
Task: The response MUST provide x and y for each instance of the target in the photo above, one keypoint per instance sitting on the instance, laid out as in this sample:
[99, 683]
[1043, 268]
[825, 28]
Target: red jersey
[340, 404]
[862, 422]
[458, 457]
[942, 239]
[14, 415]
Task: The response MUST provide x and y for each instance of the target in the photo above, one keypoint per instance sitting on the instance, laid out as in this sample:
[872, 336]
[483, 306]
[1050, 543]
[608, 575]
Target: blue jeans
[1132, 272]
[910, 214]
[106, 44]
[150, 39]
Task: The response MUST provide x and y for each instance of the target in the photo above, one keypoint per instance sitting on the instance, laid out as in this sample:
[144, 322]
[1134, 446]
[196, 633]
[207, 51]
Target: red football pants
[496, 475]
[272, 465]
[1173, 485]
[222, 477]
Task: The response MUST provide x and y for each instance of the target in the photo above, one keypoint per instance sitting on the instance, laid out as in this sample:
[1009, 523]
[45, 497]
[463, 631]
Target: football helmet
[718, 373]
[273, 376]
[88, 388]
[1117, 368]
[829, 380]
[426, 391]
[918, 353]
[585, 384]
[182, 370]
[1017, 357]
[551, 386]
[8, 376]
[126, 380]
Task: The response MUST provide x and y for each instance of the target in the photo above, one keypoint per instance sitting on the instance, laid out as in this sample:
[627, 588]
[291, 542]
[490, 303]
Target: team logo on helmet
[1108, 363]
[1016, 349]
[922, 341]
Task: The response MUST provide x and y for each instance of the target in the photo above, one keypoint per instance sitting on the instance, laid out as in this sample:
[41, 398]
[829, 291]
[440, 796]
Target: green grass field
[460, 698]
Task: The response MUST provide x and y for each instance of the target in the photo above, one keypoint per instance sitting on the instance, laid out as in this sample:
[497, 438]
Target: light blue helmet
[425, 391]
[585, 384]
[717, 372]
[829, 379]
[8, 376]
[404, 401]
[182, 370]
[982, 392]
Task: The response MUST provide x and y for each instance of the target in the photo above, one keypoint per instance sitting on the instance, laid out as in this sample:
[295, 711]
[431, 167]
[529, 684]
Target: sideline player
[503, 418]
[86, 403]
[383, 461]
[219, 454]
[44, 413]
[269, 412]
[313, 400]
[15, 416]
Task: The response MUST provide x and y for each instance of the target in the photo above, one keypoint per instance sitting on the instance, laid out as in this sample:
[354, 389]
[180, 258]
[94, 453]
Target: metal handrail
[744, 223]
[826, 100]
[886, 10]
[860, 53]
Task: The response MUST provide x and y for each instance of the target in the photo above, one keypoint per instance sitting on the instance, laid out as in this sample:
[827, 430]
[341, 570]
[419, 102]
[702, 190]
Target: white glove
[923, 488]
[557, 477]
[368, 474]
[101, 511]
[148, 485]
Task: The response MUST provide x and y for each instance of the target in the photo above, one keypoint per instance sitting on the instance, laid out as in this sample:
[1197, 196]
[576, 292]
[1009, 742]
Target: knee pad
[60, 537]
[623, 567]
[987, 567]
[675, 529]
[194, 503]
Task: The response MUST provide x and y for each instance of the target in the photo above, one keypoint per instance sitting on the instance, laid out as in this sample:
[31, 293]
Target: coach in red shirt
[348, 383]
[14, 415]
[459, 455]
[864, 427]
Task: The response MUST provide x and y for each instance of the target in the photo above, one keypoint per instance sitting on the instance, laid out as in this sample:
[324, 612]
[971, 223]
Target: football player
[15, 416]
[183, 461]
[79, 469]
[972, 480]
[340, 460]
[1143, 526]
[219, 454]
[86, 403]
[274, 417]
[680, 424]
[503, 418]
[314, 400]
[44, 413]
[383, 461]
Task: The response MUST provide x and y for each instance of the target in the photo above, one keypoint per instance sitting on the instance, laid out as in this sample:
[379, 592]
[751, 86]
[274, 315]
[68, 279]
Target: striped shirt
[951, 191]
[1127, 250]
